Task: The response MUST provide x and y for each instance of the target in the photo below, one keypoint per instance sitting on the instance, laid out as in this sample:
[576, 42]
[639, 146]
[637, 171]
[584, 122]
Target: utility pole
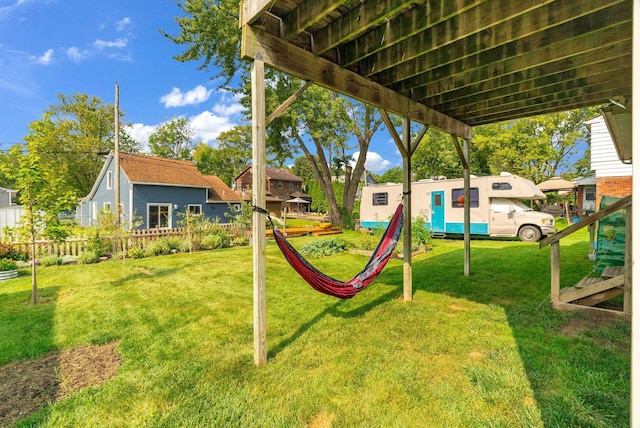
[116, 177]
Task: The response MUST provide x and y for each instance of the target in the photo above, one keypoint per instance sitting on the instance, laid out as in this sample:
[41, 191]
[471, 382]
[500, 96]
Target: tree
[173, 140]
[230, 158]
[435, 156]
[392, 175]
[44, 196]
[211, 33]
[74, 137]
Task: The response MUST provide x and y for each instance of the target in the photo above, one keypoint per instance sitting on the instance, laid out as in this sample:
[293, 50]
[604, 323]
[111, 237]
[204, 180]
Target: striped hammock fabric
[333, 287]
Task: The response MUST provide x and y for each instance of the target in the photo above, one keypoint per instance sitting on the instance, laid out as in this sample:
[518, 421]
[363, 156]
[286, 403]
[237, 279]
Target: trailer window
[381, 198]
[457, 198]
[500, 186]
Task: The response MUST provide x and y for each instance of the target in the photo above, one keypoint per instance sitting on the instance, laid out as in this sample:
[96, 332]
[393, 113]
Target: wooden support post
[628, 261]
[467, 209]
[406, 188]
[259, 221]
[555, 272]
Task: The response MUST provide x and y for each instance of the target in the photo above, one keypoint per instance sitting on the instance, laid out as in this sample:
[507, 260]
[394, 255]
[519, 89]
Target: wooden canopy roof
[452, 64]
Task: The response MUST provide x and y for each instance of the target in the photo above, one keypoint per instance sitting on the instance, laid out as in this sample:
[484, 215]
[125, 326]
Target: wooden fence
[76, 245]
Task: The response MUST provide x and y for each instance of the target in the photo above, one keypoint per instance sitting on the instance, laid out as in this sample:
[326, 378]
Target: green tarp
[610, 244]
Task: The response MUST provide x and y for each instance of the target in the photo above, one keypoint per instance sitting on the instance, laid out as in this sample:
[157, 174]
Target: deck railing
[554, 241]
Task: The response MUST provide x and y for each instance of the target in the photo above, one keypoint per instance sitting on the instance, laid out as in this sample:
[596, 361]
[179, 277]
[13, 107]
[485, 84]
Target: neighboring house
[280, 187]
[7, 197]
[586, 195]
[154, 191]
[613, 177]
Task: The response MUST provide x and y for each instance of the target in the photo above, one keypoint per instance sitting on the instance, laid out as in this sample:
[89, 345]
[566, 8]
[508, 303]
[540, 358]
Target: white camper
[495, 204]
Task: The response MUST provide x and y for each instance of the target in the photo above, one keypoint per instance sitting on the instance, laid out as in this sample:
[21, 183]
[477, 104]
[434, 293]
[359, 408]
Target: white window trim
[189, 206]
[106, 206]
[109, 180]
[161, 204]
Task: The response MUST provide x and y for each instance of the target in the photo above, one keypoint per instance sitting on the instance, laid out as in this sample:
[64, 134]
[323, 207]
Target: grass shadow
[332, 310]
[516, 278]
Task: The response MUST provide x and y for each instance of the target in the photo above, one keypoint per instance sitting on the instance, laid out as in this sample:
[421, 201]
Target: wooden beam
[394, 134]
[456, 68]
[461, 154]
[251, 10]
[307, 14]
[277, 112]
[618, 205]
[601, 60]
[407, 269]
[467, 206]
[555, 273]
[357, 21]
[493, 23]
[259, 221]
[420, 18]
[302, 64]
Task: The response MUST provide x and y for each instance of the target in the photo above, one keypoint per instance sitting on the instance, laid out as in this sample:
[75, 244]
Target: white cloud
[5, 11]
[45, 59]
[103, 44]
[227, 109]
[178, 99]
[76, 54]
[374, 162]
[207, 126]
[140, 133]
[123, 24]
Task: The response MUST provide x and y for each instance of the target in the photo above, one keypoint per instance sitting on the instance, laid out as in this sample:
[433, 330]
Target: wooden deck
[290, 232]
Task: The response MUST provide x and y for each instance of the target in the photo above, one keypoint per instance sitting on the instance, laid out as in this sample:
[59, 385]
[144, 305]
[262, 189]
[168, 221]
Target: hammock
[333, 287]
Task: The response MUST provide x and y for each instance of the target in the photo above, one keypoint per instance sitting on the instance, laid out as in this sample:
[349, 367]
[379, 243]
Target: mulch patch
[28, 386]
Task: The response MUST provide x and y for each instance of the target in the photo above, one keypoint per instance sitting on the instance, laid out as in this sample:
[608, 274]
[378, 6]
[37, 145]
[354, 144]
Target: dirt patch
[28, 386]
[579, 324]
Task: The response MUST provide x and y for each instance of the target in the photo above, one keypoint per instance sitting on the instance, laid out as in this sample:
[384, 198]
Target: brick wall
[618, 187]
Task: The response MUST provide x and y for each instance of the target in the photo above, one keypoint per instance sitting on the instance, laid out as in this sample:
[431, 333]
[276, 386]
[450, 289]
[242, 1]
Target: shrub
[216, 240]
[158, 247]
[240, 241]
[88, 257]
[12, 252]
[53, 260]
[136, 253]
[7, 264]
[325, 247]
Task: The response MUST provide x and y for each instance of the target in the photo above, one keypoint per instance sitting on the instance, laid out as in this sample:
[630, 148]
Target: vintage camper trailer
[495, 203]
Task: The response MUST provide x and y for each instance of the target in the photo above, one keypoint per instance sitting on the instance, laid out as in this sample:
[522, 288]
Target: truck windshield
[501, 205]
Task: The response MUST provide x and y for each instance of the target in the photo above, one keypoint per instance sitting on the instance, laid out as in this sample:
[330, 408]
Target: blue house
[155, 190]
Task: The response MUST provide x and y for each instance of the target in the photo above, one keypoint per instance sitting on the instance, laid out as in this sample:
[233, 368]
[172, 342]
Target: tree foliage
[44, 195]
[74, 137]
[173, 140]
[230, 158]
[319, 123]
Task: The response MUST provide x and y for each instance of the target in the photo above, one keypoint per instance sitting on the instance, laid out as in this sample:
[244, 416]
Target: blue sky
[49, 47]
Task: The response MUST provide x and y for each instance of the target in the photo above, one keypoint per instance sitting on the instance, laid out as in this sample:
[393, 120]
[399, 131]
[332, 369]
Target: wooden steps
[591, 291]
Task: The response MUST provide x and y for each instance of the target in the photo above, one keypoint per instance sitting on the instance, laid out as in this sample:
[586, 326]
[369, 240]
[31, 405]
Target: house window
[109, 180]
[500, 186]
[280, 186]
[158, 216]
[106, 206]
[589, 194]
[380, 198]
[194, 209]
[457, 198]
[94, 210]
[291, 185]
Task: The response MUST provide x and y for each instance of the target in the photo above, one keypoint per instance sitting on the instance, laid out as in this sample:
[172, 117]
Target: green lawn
[478, 351]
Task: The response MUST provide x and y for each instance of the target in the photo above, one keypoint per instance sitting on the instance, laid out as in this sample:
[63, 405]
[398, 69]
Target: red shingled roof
[155, 170]
[219, 191]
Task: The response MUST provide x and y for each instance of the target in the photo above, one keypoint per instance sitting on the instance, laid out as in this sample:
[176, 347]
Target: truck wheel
[529, 234]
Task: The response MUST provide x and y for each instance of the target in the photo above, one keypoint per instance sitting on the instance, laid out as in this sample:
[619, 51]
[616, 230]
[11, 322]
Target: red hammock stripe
[333, 287]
